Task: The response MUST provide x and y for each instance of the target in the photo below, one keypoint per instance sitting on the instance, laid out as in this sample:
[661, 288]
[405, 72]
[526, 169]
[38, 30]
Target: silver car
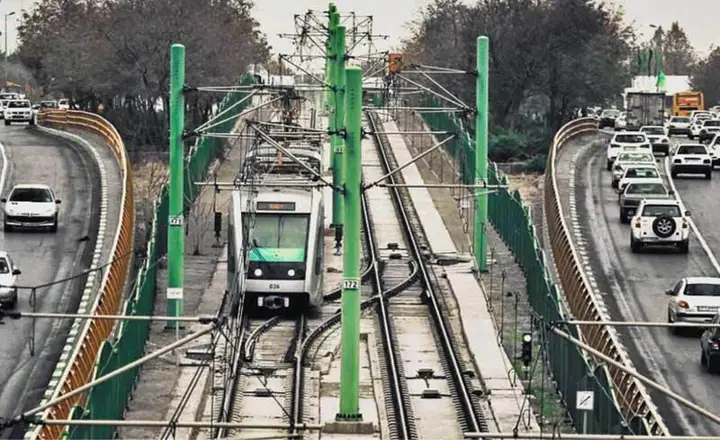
[694, 300]
[8, 280]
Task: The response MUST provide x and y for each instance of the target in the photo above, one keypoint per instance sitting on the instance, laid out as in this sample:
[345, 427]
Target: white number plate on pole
[585, 401]
[174, 293]
[351, 284]
[176, 221]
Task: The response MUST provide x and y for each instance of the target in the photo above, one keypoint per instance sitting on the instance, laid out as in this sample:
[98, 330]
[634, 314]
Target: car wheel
[684, 246]
[673, 330]
[623, 216]
[703, 358]
[609, 165]
[614, 183]
[7, 122]
[32, 121]
[54, 227]
[673, 174]
[708, 174]
[635, 246]
[7, 227]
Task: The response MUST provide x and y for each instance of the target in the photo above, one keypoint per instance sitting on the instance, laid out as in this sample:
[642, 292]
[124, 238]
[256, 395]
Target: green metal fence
[109, 399]
[572, 370]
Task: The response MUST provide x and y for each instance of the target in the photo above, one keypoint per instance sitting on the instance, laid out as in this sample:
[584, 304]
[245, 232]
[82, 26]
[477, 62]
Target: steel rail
[402, 407]
[464, 394]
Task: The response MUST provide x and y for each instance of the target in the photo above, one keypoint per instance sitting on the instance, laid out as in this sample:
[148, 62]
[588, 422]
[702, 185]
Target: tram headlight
[258, 272]
[291, 272]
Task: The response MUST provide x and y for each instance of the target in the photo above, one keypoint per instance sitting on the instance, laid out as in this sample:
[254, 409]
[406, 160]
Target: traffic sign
[585, 401]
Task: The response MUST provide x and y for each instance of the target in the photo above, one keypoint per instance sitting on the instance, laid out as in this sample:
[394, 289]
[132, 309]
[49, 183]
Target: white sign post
[585, 402]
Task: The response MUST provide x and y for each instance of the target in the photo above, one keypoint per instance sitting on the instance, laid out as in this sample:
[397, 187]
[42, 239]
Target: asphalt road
[633, 287]
[44, 257]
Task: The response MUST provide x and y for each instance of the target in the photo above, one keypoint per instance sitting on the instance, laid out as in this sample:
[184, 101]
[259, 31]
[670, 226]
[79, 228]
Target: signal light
[526, 352]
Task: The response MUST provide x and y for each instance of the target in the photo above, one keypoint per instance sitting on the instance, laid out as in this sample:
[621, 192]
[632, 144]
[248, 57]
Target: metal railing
[633, 398]
[81, 363]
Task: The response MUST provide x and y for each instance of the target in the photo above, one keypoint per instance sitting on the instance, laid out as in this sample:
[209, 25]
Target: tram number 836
[274, 286]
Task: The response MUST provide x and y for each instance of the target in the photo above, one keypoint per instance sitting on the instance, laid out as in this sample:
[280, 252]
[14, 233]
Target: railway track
[271, 358]
[405, 318]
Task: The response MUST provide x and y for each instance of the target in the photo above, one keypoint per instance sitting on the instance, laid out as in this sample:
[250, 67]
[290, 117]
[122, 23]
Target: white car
[714, 150]
[694, 299]
[31, 206]
[691, 159]
[660, 222]
[708, 130]
[8, 280]
[696, 123]
[620, 140]
[639, 173]
[700, 114]
[628, 158]
[64, 104]
[621, 122]
[678, 125]
[658, 137]
[19, 110]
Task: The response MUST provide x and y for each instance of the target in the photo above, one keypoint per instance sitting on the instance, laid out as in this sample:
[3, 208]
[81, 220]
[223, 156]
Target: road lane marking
[694, 228]
[3, 174]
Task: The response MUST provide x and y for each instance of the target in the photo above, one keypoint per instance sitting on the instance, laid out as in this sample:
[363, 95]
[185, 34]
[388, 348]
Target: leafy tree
[116, 53]
[706, 79]
[560, 54]
[678, 54]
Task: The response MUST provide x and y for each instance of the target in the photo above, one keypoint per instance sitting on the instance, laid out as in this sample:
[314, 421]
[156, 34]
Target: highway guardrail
[632, 396]
[82, 362]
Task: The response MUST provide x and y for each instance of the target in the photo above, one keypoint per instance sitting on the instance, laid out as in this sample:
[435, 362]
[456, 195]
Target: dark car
[607, 118]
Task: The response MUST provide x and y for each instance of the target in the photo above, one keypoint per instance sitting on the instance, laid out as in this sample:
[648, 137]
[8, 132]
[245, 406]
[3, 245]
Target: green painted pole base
[175, 307]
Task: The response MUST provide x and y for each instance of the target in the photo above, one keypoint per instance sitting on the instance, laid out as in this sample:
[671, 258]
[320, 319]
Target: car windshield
[646, 188]
[653, 130]
[711, 123]
[630, 138]
[4, 266]
[680, 119]
[611, 113]
[692, 149]
[642, 173]
[702, 289]
[48, 104]
[658, 210]
[635, 157]
[18, 104]
[34, 195]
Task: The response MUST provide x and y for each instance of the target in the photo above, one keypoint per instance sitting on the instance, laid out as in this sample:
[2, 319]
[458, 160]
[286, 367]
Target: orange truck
[685, 103]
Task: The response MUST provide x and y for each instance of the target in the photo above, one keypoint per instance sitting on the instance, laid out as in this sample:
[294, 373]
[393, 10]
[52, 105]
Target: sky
[697, 17]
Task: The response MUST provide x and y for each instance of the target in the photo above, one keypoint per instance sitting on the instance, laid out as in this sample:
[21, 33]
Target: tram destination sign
[275, 206]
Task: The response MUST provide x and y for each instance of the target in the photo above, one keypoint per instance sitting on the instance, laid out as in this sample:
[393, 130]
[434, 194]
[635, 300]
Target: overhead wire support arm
[410, 162]
[19, 315]
[440, 86]
[283, 150]
[216, 117]
[81, 389]
[205, 127]
[451, 99]
[305, 71]
[433, 92]
[437, 69]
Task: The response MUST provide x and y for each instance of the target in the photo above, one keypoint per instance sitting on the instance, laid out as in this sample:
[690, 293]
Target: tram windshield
[278, 238]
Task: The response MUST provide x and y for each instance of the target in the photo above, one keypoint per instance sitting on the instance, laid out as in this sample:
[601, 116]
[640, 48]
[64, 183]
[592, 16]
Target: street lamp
[6, 49]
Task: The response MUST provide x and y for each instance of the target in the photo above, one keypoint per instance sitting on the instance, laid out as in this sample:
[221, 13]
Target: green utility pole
[350, 331]
[338, 145]
[481, 153]
[328, 61]
[176, 228]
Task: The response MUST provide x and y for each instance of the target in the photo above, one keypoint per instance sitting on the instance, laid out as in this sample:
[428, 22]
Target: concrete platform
[504, 393]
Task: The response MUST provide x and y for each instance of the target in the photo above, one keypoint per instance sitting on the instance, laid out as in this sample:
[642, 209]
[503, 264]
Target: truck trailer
[644, 108]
